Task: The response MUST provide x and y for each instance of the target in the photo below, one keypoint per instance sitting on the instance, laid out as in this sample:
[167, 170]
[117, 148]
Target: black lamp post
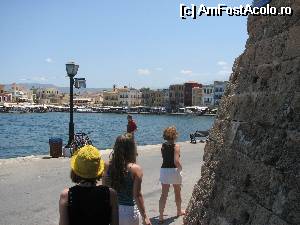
[71, 69]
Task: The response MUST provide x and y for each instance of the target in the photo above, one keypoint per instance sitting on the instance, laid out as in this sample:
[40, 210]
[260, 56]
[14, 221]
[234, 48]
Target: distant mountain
[60, 89]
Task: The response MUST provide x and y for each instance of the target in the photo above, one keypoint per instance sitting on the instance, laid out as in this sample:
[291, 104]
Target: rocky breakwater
[251, 171]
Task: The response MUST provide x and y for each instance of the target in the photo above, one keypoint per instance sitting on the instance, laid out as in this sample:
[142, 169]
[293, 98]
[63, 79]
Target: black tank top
[167, 152]
[89, 205]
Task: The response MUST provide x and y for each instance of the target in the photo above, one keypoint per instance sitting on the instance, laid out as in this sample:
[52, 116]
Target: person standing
[170, 172]
[125, 176]
[131, 126]
[87, 202]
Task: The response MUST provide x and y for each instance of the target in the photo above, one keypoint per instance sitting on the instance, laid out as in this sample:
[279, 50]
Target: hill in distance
[60, 89]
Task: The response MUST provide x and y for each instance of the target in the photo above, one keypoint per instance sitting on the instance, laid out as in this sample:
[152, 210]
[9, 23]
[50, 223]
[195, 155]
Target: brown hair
[78, 179]
[124, 152]
[170, 133]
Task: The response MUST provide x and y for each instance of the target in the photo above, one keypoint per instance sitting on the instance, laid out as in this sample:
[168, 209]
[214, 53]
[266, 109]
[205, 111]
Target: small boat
[84, 110]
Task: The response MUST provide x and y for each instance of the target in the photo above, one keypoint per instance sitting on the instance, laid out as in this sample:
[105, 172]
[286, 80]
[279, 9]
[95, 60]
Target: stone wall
[251, 171]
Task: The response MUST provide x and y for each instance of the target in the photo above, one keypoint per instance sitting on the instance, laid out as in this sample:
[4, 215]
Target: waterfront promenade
[30, 186]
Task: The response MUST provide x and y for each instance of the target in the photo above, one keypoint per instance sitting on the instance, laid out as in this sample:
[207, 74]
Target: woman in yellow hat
[125, 176]
[87, 202]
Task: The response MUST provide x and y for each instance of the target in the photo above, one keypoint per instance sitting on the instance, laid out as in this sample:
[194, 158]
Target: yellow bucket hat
[87, 162]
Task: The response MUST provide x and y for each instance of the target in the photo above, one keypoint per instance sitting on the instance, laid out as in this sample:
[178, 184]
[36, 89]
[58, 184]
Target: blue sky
[134, 42]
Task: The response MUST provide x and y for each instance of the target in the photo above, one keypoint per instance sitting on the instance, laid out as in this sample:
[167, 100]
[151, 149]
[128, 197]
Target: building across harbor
[177, 96]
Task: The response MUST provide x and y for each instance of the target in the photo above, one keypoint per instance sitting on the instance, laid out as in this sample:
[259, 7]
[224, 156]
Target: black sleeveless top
[89, 205]
[167, 152]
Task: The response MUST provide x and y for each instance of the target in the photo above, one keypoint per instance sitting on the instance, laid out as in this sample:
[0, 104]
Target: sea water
[29, 133]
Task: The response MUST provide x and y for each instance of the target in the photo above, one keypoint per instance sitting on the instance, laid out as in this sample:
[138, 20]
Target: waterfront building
[97, 99]
[135, 97]
[110, 98]
[157, 98]
[160, 98]
[208, 95]
[5, 97]
[48, 96]
[166, 99]
[94, 98]
[2, 88]
[33, 90]
[188, 92]
[20, 94]
[129, 96]
[29, 96]
[219, 89]
[64, 99]
[176, 96]
[197, 96]
[146, 97]
[123, 96]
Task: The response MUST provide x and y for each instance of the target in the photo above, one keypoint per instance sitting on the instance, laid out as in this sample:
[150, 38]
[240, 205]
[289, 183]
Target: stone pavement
[30, 186]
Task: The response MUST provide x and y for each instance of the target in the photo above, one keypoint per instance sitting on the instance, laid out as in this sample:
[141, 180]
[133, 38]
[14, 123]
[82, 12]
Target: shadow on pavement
[47, 157]
[155, 220]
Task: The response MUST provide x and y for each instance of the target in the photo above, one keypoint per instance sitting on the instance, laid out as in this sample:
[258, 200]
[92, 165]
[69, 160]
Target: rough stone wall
[251, 171]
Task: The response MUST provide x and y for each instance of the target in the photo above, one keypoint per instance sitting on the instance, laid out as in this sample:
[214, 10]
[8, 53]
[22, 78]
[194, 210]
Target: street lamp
[71, 69]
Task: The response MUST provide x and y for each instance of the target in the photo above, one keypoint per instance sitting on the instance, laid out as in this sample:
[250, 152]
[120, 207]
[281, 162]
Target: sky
[140, 43]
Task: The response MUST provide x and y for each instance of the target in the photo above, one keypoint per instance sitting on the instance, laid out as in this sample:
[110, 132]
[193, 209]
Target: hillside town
[178, 98]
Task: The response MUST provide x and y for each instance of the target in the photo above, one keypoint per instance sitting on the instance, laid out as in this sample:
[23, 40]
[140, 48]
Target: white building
[208, 95]
[219, 88]
[129, 96]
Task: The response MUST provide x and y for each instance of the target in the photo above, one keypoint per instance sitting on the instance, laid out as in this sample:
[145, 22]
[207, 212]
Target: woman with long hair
[170, 172]
[87, 202]
[125, 176]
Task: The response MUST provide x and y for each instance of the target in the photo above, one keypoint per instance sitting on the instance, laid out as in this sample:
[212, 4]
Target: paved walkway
[30, 186]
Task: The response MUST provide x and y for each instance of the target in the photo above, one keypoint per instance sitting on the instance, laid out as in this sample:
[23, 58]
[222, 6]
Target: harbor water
[28, 134]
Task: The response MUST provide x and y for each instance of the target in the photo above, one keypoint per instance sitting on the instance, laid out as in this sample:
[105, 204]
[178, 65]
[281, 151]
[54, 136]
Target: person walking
[131, 126]
[170, 172]
[125, 176]
[87, 202]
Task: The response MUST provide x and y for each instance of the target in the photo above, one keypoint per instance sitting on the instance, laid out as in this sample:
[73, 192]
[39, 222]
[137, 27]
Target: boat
[84, 110]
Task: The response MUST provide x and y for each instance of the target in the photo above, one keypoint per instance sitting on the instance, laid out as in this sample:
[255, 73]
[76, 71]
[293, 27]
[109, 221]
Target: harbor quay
[36, 108]
[30, 186]
[191, 96]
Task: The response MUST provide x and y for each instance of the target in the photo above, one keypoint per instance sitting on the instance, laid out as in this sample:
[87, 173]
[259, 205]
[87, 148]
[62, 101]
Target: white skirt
[170, 176]
[129, 215]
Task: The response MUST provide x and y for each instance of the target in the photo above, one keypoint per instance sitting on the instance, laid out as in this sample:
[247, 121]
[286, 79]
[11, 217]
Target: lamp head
[71, 68]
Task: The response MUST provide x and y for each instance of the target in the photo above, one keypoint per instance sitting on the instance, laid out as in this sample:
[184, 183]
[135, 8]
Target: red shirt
[131, 126]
